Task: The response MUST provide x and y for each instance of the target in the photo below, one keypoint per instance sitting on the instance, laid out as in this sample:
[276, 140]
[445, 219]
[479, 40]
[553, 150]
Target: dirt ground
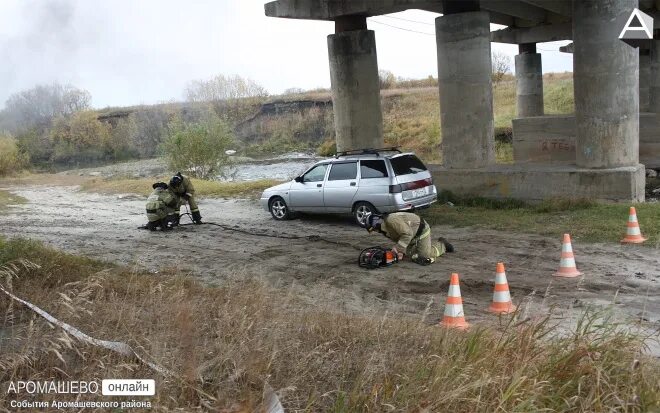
[623, 277]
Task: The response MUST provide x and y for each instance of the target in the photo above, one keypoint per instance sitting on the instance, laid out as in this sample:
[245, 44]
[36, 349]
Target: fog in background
[127, 52]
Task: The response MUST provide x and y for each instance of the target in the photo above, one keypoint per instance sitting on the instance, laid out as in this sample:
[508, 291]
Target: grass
[411, 118]
[142, 186]
[224, 343]
[7, 199]
[583, 219]
[503, 152]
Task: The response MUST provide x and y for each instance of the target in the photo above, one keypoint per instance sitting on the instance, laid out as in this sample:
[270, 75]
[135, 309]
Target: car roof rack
[369, 151]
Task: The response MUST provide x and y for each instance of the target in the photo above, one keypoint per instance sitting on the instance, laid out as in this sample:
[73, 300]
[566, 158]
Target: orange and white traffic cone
[502, 303]
[633, 234]
[454, 316]
[567, 266]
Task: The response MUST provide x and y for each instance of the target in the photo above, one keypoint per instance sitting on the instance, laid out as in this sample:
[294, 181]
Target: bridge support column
[654, 77]
[649, 139]
[466, 90]
[355, 86]
[529, 82]
[606, 73]
[644, 80]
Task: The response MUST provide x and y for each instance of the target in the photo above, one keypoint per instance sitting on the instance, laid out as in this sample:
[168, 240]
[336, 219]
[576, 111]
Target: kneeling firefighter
[184, 189]
[412, 236]
[162, 207]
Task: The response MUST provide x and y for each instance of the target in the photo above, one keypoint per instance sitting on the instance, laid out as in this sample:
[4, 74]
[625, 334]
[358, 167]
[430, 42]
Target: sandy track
[105, 227]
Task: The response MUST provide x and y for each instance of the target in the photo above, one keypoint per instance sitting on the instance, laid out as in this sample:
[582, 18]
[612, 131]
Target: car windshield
[407, 164]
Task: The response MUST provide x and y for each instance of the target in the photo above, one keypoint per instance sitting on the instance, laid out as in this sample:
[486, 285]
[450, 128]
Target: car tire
[279, 209]
[361, 211]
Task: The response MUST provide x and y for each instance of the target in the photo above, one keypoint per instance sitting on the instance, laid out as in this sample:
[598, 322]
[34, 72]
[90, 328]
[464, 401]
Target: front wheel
[361, 211]
[278, 209]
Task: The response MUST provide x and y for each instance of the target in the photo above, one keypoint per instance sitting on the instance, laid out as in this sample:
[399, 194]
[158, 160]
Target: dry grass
[142, 186]
[225, 342]
[411, 117]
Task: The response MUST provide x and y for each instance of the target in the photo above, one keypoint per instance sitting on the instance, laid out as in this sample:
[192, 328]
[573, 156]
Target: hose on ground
[310, 238]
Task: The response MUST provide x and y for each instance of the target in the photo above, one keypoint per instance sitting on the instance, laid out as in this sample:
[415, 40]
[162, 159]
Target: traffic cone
[633, 234]
[502, 303]
[567, 266]
[454, 316]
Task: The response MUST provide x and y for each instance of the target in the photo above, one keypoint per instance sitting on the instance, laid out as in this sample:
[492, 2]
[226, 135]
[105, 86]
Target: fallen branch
[116, 346]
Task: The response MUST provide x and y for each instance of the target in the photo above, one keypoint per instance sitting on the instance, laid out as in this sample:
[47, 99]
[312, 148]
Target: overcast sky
[128, 52]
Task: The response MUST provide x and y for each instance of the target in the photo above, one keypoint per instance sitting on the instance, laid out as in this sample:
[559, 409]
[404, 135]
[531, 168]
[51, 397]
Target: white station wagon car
[356, 182]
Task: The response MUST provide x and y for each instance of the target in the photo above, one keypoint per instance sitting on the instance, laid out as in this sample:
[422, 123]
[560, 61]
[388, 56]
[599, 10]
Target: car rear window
[373, 169]
[407, 164]
[341, 171]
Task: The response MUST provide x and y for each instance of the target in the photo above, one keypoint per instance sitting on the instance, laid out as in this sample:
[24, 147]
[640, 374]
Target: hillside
[411, 118]
[266, 126]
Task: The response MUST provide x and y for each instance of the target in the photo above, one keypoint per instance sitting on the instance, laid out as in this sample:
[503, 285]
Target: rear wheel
[361, 211]
[278, 209]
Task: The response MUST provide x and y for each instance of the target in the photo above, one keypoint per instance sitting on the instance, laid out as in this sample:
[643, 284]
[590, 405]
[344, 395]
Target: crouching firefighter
[162, 205]
[412, 236]
[184, 189]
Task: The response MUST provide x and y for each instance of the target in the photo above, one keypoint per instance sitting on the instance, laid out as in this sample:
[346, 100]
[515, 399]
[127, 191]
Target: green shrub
[12, 159]
[36, 145]
[199, 148]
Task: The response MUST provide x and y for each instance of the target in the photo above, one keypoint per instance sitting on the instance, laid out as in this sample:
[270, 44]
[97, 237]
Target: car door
[374, 184]
[307, 196]
[340, 187]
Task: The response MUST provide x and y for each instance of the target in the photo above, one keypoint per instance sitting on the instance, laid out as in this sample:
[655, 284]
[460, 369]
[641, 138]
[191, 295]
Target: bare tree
[386, 79]
[37, 107]
[501, 66]
[75, 100]
[223, 87]
[294, 91]
[151, 125]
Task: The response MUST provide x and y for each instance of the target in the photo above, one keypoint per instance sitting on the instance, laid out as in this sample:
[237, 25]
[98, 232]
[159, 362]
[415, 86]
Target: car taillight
[395, 189]
[411, 185]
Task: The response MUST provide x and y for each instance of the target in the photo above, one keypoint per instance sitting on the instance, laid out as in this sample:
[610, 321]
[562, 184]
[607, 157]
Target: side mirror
[298, 179]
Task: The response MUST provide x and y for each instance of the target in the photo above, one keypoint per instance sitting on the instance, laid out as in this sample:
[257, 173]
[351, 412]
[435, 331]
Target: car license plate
[416, 193]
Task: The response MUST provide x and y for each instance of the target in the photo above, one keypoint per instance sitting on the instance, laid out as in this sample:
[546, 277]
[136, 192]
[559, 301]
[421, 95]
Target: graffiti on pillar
[557, 145]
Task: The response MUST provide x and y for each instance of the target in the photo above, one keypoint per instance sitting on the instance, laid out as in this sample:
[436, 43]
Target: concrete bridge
[598, 155]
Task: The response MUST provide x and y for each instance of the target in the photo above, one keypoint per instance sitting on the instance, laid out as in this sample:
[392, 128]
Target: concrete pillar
[606, 86]
[355, 89]
[654, 79]
[529, 82]
[466, 90]
[644, 80]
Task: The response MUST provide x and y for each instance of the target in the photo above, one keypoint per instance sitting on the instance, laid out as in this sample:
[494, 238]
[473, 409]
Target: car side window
[343, 171]
[316, 174]
[373, 169]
